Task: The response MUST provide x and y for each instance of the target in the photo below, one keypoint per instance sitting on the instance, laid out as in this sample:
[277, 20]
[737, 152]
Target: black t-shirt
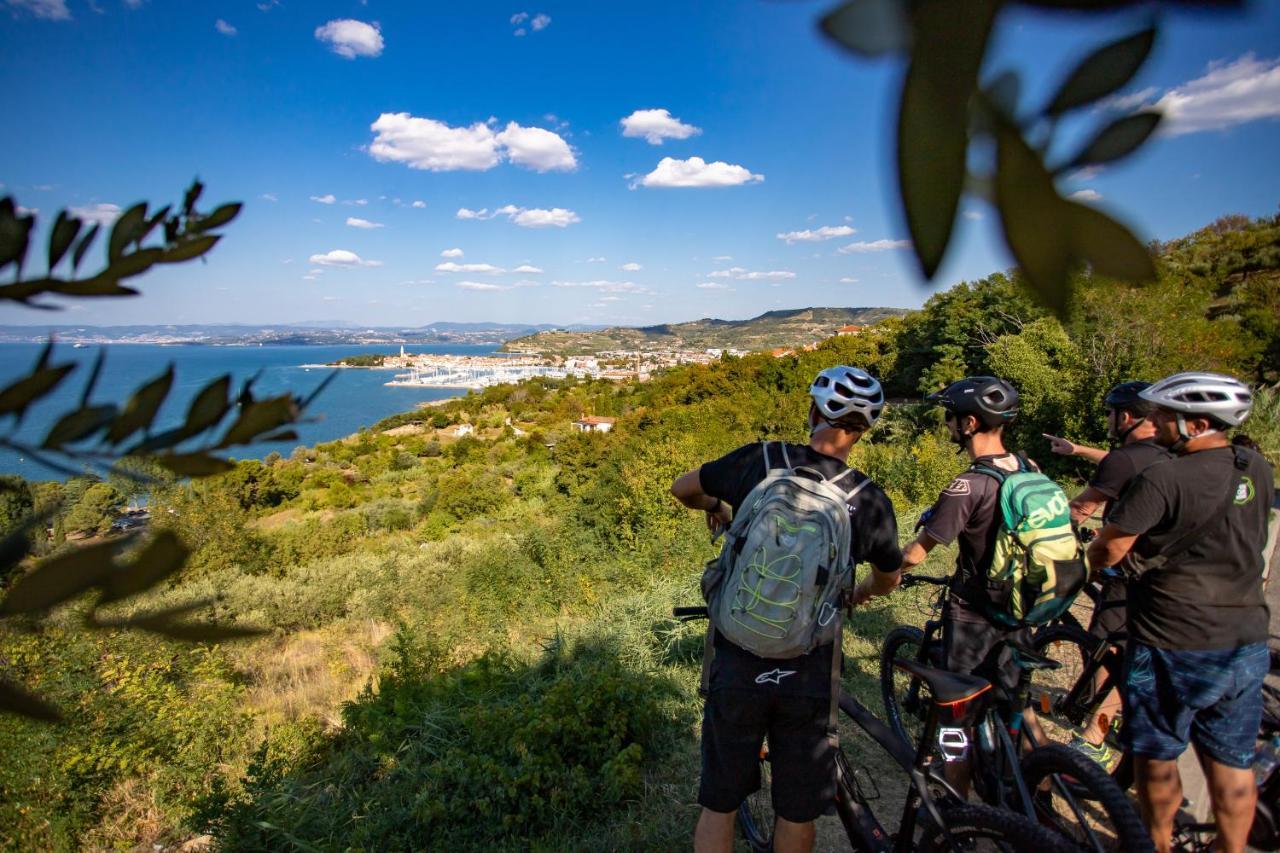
[874, 540]
[967, 513]
[1119, 468]
[1210, 595]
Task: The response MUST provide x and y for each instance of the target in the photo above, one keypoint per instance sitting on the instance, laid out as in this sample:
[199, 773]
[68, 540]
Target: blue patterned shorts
[1212, 698]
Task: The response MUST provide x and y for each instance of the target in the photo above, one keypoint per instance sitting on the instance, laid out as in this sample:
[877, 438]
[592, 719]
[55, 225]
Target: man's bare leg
[791, 837]
[1235, 797]
[1159, 796]
[714, 833]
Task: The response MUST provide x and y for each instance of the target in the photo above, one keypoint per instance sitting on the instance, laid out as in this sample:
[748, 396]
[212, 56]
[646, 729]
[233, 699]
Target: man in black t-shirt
[976, 410]
[749, 696]
[1193, 529]
[1127, 425]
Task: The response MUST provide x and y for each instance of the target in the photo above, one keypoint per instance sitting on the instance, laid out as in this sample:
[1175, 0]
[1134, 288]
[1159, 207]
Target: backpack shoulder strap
[858, 485]
[786, 457]
[764, 446]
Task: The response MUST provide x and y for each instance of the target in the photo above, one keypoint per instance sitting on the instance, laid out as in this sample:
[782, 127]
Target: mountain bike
[948, 822]
[1013, 766]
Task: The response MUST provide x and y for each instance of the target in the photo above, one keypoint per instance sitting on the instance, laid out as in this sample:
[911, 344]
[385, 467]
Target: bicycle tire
[969, 826]
[1071, 647]
[1106, 806]
[755, 814]
[897, 688]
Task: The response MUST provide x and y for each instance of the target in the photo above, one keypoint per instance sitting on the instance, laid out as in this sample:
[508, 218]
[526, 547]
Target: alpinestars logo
[774, 676]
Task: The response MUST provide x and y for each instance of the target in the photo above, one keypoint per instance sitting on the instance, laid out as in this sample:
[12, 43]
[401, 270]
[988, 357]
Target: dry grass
[312, 672]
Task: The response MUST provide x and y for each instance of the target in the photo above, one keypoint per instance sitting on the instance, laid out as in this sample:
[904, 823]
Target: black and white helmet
[1224, 399]
[847, 395]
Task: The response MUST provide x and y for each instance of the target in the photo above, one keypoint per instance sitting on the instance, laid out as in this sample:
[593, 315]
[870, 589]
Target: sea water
[355, 399]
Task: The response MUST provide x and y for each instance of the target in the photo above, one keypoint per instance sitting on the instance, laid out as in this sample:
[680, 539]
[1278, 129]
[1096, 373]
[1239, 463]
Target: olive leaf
[933, 118]
[1118, 139]
[141, 409]
[1103, 72]
[65, 229]
[209, 406]
[869, 28]
[19, 395]
[189, 249]
[1035, 219]
[60, 578]
[83, 246]
[126, 226]
[161, 557]
[15, 234]
[221, 216]
[78, 425]
[193, 464]
[259, 417]
[196, 632]
[1109, 247]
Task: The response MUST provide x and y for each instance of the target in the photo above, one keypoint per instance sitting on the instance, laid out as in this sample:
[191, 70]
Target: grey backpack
[775, 588]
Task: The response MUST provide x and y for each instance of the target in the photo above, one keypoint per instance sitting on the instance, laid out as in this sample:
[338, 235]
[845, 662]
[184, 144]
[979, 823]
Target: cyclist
[1127, 425]
[1194, 528]
[789, 700]
[976, 410]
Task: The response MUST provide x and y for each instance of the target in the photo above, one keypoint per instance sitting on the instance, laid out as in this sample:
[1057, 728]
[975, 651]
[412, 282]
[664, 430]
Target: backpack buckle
[826, 614]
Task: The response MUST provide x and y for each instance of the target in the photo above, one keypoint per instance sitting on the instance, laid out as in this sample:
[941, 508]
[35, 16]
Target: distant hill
[791, 328]
[313, 332]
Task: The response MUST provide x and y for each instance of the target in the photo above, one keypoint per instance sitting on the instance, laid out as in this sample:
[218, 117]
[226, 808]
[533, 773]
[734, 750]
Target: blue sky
[409, 162]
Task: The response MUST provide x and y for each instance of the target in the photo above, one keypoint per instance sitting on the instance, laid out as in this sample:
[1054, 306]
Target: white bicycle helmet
[1224, 399]
[845, 395]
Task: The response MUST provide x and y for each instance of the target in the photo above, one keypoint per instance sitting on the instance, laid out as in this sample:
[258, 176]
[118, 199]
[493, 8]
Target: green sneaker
[1103, 755]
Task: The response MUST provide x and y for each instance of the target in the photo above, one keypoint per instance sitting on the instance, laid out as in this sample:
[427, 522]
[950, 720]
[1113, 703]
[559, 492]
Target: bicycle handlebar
[910, 580]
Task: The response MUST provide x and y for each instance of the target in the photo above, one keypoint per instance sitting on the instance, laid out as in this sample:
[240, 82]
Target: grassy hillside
[469, 645]
[790, 329]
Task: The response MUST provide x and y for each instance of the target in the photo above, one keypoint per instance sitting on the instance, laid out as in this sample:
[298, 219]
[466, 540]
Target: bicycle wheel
[755, 815]
[1072, 648]
[1076, 797]
[983, 828]
[905, 703]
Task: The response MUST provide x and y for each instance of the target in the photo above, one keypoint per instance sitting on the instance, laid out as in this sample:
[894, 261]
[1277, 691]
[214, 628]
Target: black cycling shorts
[803, 767]
[970, 642]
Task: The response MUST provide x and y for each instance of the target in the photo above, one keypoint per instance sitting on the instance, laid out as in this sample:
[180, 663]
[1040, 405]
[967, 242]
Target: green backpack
[1037, 558]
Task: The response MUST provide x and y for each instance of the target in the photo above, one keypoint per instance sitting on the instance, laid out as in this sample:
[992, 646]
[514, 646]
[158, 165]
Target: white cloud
[631, 267]
[224, 28]
[269, 197]
[540, 22]
[656, 125]
[973, 214]
[424, 143]
[356, 222]
[418, 203]
[1130, 101]
[134, 4]
[328, 198]
[696, 172]
[1227, 95]
[103, 214]
[771, 275]
[526, 217]
[862, 246]
[342, 258]
[604, 286]
[360, 202]
[595, 260]
[481, 285]
[729, 273]
[1086, 195]
[27, 211]
[537, 149]
[50, 10]
[826, 232]
[468, 213]
[519, 17]
[722, 258]
[714, 285]
[350, 38]
[268, 5]
[308, 278]
[527, 269]
[487, 269]
[451, 253]
[848, 280]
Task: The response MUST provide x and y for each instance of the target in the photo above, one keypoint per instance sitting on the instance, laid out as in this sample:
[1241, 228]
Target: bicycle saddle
[948, 688]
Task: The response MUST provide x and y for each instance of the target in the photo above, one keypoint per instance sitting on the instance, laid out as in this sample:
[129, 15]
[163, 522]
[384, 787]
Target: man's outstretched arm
[687, 489]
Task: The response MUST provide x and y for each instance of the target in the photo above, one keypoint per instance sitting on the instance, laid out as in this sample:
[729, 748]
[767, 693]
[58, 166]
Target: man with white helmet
[1193, 528]
[749, 696]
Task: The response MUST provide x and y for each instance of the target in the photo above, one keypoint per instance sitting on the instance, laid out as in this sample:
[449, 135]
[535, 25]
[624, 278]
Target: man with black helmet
[1128, 426]
[790, 700]
[976, 410]
[1193, 529]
